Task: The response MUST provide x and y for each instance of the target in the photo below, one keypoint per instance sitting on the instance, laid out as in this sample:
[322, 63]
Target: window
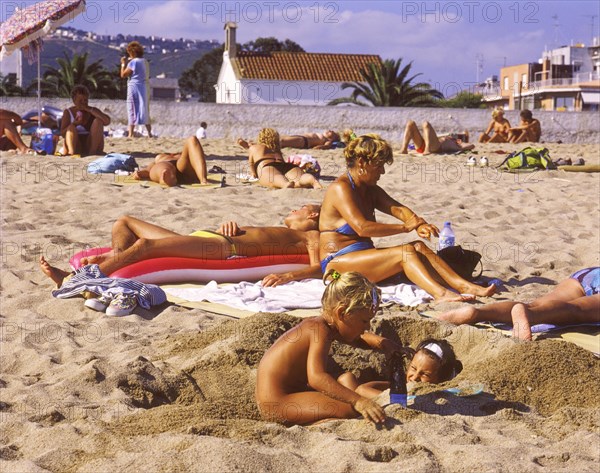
[524, 80]
[505, 81]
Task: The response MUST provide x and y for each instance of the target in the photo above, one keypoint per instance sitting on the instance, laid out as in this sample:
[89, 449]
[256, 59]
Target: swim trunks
[304, 141]
[589, 279]
[215, 235]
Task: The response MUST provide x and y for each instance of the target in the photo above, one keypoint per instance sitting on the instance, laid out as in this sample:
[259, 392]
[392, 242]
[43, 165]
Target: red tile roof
[302, 66]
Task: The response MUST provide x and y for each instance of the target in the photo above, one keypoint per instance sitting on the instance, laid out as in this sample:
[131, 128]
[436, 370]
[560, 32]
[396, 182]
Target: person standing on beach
[137, 71]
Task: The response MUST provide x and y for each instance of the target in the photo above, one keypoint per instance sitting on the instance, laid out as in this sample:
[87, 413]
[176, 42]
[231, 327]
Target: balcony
[578, 79]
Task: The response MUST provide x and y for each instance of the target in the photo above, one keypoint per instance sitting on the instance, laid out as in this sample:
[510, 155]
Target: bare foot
[450, 296]
[57, 275]
[96, 259]
[480, 291]
[243, 143]
[520, 321]
[462, 315]
[404, 151]
[289, 185]
[317, 185]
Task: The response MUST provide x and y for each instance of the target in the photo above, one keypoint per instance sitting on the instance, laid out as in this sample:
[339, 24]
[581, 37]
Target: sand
[171, 389]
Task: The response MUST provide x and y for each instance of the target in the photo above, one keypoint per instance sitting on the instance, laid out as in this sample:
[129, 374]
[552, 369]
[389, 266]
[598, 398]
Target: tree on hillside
[463, 99]
[202, 77]
[385, 85]
[58, 82]
[271, 44]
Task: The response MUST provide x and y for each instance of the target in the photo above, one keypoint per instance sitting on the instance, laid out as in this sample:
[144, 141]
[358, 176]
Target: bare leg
[192, 162]
[565, 291]
[432, 142]
[149, 128]
[164, 173]
[57, 275]
[175, 246]
[449, 276]
[71, 140]
[380, 264]
[305, 408]
[96, 139]
[520, 321]
[130, 131]
[411, 133]
[125, 232]
[303, 179]
[498, 138]
[10, 131]
[484, 138]
[271, 177]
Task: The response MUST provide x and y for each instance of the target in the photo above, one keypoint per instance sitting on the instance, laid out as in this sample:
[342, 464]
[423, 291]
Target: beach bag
[529, 158]
[112, 162]
[463, 262]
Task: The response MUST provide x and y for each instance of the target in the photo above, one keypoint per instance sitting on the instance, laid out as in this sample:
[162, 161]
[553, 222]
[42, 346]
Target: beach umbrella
[27, 26]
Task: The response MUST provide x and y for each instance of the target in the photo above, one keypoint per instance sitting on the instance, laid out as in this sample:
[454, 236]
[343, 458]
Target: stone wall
[230, 121]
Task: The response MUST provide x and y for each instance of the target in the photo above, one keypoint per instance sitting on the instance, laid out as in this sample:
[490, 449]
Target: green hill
[171, 64]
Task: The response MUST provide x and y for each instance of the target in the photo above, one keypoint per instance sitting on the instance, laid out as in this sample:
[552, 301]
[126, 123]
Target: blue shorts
[589, 279]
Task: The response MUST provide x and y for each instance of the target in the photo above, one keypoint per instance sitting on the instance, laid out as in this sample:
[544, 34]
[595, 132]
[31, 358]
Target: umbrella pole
[39, 91]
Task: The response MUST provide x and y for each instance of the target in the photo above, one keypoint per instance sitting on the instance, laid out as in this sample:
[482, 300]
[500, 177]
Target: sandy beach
[172, 389]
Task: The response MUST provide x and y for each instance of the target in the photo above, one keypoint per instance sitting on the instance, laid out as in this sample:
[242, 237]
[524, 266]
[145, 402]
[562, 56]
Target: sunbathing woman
[266, 163]
[9, 134]
[323, 140]
[187, 167]
[500, 127]
[573, 301]
[429, 142]
[348, 223]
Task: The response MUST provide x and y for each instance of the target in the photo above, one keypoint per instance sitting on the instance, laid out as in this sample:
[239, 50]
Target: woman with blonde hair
[137, 71]
[348, 223]
[500, 127]
[267, 165]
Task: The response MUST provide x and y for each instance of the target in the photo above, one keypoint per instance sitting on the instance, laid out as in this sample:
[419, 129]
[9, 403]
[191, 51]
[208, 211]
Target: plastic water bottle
[446, 238]
[398, 391]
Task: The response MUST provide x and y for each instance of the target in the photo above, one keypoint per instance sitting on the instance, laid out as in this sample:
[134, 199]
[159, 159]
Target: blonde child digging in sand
[293, 385]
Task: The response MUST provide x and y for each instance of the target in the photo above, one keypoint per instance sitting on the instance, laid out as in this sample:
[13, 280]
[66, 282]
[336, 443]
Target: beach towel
[112, 162]
[585, 335]
[306, 294]
[214, 181]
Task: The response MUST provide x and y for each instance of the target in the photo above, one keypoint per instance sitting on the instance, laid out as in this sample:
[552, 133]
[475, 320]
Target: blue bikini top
[346, 229]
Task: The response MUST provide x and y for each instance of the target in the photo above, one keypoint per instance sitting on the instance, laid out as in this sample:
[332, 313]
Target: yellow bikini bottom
[215, 235]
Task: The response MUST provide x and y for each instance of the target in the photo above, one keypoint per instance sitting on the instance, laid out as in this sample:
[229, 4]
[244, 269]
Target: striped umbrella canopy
[32, 23]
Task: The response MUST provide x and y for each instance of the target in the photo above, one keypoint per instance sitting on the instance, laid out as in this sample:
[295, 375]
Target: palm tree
[386, 86]
[75, 71]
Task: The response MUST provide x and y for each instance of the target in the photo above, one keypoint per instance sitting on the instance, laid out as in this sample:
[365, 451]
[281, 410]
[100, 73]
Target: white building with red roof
[296, 78]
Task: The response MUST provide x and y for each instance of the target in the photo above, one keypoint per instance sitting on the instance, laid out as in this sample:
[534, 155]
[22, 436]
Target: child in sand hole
[293, 385]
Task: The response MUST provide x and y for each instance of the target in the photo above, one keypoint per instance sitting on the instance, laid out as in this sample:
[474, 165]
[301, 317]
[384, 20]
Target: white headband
[435, 348]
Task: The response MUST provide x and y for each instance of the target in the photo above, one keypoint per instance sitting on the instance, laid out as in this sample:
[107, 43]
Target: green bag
[529, 158]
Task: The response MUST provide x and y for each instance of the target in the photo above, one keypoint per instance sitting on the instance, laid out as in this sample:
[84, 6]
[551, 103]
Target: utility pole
[479, 67]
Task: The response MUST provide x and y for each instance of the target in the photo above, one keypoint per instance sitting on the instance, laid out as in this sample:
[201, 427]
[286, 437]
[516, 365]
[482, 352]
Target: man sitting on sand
[429, 142]
[529, 129]
[323, 140]
[575, 300]
[499, 127]
[171, 169]
[134, 240]
[9, 134]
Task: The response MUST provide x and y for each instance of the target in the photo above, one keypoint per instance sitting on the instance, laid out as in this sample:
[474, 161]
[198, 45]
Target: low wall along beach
[181, 119]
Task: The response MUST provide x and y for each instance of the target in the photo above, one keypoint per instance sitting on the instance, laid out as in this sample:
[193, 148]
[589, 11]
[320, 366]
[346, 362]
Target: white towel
[304, 294]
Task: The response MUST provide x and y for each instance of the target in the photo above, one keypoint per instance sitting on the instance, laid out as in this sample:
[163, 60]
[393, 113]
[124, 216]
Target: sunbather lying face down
[134, 240]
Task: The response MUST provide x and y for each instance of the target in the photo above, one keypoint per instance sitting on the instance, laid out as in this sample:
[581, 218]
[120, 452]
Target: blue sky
[443, 39]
